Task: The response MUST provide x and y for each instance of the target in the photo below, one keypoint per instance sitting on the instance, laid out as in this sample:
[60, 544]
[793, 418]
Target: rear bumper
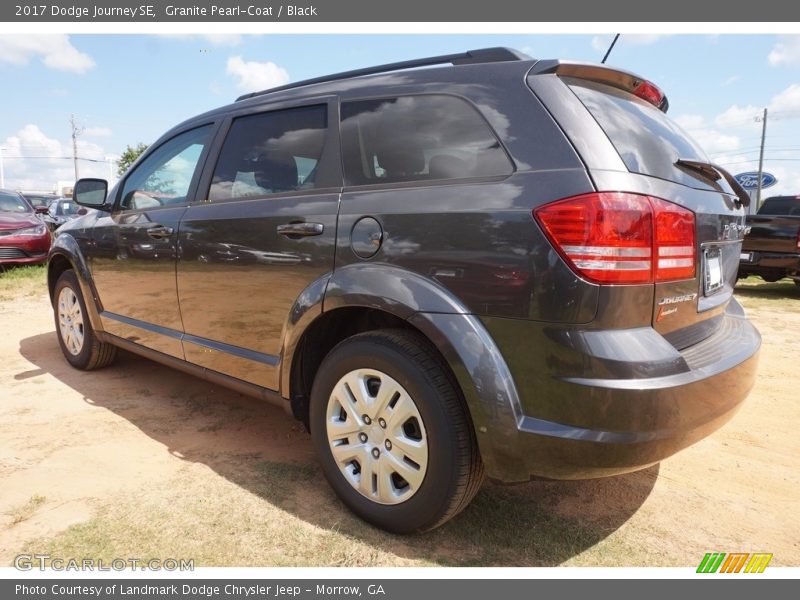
[628, 401]
[768, 262]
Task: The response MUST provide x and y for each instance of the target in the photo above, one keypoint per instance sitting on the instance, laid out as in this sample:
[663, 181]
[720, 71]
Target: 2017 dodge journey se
[501, 265]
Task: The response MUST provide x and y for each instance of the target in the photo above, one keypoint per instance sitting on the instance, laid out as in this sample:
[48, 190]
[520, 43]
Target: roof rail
[482, 55]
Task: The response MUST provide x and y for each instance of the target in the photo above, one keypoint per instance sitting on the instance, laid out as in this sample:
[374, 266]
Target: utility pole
[761, 159]
[76, 131]
[110, 161]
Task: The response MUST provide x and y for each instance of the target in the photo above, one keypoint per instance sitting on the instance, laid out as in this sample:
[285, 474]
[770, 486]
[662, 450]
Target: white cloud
[602, 42]
[255, 76]
[739, 116]
[787, 100]
[97, 132]
[732, 79]
[54, 50]
[33, 160]
[690, 121]
[223, 39]
[786, 51]
[710, 139]
[215, 39]
[713, 141]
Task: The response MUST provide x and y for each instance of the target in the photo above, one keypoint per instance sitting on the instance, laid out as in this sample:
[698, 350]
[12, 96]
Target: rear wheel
[392, 432]
[77, 339]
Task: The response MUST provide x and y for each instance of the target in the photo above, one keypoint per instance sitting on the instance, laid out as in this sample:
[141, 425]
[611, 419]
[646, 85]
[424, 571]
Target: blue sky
[126, 89]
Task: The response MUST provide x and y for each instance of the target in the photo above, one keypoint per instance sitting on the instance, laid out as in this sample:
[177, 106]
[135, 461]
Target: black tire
[92, 353]
[454, 471]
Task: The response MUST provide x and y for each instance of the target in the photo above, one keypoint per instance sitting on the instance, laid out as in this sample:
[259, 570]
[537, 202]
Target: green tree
[129, 156]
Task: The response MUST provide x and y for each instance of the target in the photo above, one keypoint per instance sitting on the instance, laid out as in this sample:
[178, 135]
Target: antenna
[610, 48]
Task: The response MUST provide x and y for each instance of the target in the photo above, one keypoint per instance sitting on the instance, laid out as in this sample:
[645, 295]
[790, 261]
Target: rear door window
[418, 138]
[270, 153]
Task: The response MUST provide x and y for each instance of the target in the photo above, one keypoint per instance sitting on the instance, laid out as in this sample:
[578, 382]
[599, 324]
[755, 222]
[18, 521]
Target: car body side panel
[135, 277]
[477, 240]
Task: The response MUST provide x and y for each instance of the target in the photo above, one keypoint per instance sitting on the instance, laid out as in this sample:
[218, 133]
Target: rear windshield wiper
[715, 173]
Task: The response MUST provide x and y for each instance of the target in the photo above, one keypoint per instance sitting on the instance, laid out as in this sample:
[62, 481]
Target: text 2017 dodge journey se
[503, 265]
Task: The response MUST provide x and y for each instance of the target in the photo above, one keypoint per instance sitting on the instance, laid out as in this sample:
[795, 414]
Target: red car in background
[24, 238]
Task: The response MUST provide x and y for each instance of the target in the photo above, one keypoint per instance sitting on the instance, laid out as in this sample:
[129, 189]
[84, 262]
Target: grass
[22, 282]
[780, 294]
[283, 514]
[25, 511]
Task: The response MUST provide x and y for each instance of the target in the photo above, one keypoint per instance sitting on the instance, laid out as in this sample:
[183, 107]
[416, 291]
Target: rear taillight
[615, 237]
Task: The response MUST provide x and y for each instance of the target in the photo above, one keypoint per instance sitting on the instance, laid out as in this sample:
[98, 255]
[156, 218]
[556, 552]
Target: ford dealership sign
[749, 180]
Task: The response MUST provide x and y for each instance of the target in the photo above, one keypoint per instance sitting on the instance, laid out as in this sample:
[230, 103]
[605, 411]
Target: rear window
[646, 139]
[781, 205]
[418, 138]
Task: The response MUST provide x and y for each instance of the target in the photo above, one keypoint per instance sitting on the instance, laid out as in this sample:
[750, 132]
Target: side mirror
[90, 193]
[40, 210]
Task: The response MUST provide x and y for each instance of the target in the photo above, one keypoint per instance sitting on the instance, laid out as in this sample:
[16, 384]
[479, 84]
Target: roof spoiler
[602, 74]
[471, 57]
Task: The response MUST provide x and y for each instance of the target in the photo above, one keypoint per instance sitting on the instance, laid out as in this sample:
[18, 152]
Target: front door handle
[159, 232]
[298, 230]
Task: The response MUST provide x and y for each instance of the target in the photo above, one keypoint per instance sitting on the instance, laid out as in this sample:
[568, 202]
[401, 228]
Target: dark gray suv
[502, 265]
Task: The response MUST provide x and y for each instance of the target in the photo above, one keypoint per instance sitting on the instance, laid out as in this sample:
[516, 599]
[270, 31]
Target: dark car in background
[40, 202]
[24, 238]
[62, 210]
[506, 266]
[771, 248]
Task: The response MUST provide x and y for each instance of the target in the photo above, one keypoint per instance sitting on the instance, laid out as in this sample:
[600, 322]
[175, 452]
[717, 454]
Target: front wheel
[77, 339]
[392, 433]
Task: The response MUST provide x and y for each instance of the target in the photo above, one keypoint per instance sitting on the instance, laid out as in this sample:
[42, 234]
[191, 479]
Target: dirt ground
[138, 460]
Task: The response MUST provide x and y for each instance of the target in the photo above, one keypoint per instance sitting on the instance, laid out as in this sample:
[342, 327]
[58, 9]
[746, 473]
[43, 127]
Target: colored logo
[749, 180]
[734, 562]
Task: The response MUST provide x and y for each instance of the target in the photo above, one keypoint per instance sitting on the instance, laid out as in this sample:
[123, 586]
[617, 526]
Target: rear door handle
[297, 230]
[160, 232]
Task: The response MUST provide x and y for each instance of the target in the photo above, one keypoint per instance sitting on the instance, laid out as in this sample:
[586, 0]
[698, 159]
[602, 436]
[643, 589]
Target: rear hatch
[696, 234]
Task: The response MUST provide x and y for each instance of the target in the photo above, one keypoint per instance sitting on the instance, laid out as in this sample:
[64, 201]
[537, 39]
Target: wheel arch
[360, 298]
[65, 255]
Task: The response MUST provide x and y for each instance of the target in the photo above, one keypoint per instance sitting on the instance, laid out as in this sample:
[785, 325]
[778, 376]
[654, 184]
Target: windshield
[13, 203]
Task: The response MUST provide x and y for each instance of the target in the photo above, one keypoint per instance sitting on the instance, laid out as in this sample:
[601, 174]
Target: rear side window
[648, 141]
[417, 138]
[270, 153]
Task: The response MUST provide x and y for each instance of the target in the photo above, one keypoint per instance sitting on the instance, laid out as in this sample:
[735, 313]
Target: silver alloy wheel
[377, 436]
[70, 321]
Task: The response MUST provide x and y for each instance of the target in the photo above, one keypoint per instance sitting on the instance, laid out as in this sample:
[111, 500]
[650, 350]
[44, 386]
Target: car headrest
[275, 171]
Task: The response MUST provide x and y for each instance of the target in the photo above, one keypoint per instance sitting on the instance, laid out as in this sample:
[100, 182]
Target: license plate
[713, 271]
[746, 256]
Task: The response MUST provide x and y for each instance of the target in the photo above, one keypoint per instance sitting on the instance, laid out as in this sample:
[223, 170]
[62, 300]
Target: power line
[96, 160]
[756, 149]
[752, 160]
